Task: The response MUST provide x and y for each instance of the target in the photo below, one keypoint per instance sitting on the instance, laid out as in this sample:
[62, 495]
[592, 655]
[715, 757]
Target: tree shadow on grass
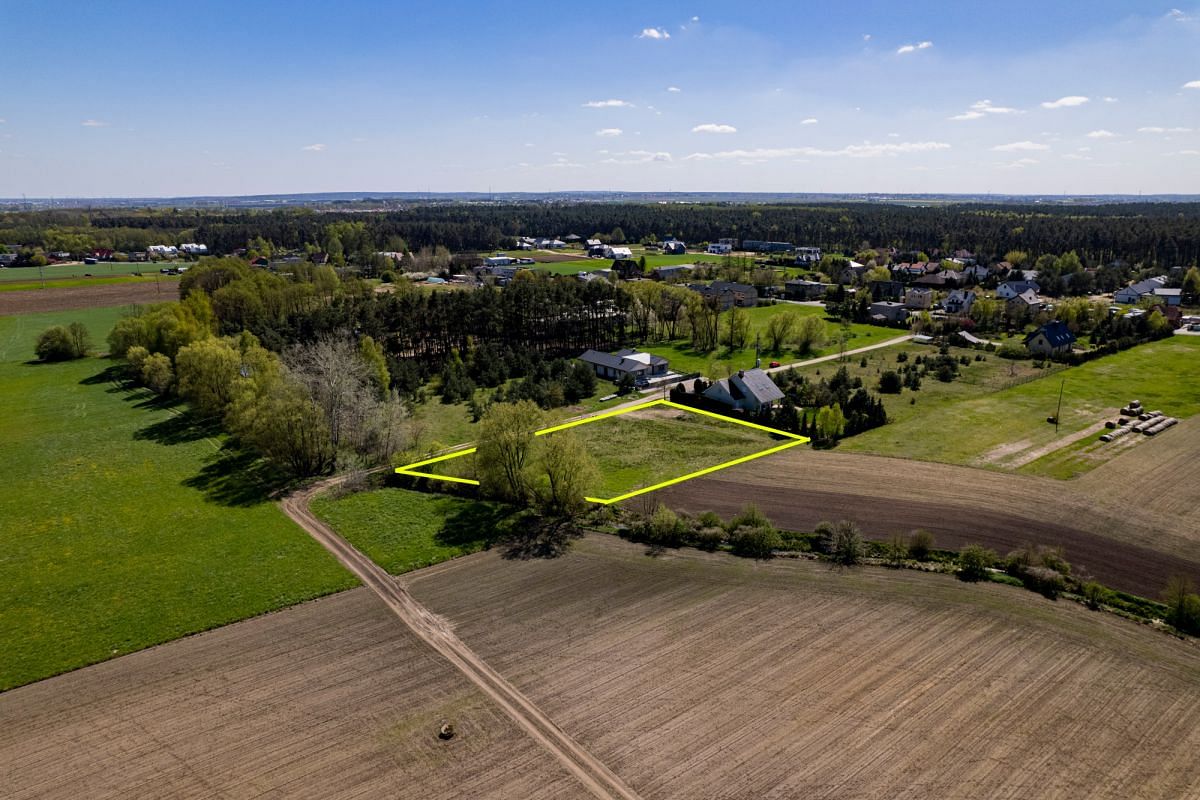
[238, 477]
[475, 522]
[113, 373]
[178, 428]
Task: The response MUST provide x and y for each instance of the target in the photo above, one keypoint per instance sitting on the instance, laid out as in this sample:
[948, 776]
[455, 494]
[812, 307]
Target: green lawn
[125, 523]
[722, 362]
[402, 530]
[652, 261]
[69, 283]
[978, 423]
[30, 274]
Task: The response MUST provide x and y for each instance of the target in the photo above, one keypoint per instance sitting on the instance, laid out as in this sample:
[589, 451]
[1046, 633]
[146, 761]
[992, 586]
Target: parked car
[773, 364]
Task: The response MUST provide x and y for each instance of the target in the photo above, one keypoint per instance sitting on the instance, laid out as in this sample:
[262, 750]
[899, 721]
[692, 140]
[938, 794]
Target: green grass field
[70, 283]
[403, 530]
[972, 426]
[722, 362]
[124, 523]
[104, 269]
[652, 261]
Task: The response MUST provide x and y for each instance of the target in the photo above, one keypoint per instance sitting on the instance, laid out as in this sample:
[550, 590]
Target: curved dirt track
[434, 631]
[73, 298]
[1123, 545]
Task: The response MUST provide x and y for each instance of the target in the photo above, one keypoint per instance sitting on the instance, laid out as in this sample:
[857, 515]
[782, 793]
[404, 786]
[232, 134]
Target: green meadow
[127, 522]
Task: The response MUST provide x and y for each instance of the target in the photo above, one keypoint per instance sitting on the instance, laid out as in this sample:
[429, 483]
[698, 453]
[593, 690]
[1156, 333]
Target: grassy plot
[30, 274]
[125, 523]
[652, 261]
[74, 283]
[989, 428]
[722, 362]
[402, 530]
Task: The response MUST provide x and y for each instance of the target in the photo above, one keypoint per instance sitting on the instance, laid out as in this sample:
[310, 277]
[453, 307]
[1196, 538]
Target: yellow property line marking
[412, 469]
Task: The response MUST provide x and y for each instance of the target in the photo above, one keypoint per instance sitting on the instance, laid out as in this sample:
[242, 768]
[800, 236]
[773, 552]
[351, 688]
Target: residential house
[320, 259]
[1010, 289]
[163, 250]
[720, 249]
[887, 290]
[977, 273]
[627, 268]
[617, 253]
[615, 366]
[749, 390]
[596, 275]
[940, 279]
[852, 273]
[1135, 292]
[572, 238]
[193, 249]
[918, 299]
[959, 301]
[1053, 338]
[805, 290]
[807, 255]
[888, 311]
[7, 258]
[1027, 299]
[907, 270]
[673, 272]
[728, 294]
[674, 247]
[499, 261]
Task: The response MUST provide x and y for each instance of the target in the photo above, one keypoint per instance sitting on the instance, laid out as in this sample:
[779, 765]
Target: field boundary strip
[414, 469]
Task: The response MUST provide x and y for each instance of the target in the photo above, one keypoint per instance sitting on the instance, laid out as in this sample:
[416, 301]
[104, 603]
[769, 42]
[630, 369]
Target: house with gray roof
[749, 390]
[615, 366]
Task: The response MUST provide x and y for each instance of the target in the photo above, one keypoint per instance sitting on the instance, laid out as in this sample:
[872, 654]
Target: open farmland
[330, 699]
[998, 428]
[55, 272]
[681, 673]
[1130, 546]
[126, 522]
[790, 679]
[91, 295]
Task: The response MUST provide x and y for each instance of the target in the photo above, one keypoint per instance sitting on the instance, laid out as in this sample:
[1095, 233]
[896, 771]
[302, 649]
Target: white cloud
[1152, 129]
[1066, 102]
[653, 33]
[1077, 157]
[695, 19]
[1192, 85]
[912, 48]
[866, 150]
[1179, 16]
[93, 123]
[712, 127]
[638, 157]
[1101, 134]
[1015, 146]
[1020, 163]
[608, 104]
[809, 121]
[1185, 153]
[1110, 100]
[313, 148]
[866, 37]
[982, 108]
[609, 132]
[674, 89]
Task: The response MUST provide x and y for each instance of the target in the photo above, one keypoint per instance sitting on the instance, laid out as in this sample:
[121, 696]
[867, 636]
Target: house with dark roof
[615, 366]
[672, 272]
[748, 390]
[886, 290]
[727, 294]
[1053, 338]
[1135, 292]
[805, 290]
[959, 301]
[1010, 289]
[674, 247]
[1026, 299]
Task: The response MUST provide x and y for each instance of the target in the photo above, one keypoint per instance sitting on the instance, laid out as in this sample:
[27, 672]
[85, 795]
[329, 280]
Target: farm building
[720, 249]
[1172, 297]
[1135, 292]
[499, 261]
[615, 366]
[1053, 338]
[759, 246]
[749, 390]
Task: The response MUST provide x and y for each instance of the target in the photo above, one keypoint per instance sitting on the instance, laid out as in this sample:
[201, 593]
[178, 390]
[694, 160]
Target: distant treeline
[1153, 234]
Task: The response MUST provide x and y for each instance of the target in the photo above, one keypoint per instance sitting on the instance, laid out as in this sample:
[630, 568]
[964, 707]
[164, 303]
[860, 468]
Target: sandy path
[436, 632]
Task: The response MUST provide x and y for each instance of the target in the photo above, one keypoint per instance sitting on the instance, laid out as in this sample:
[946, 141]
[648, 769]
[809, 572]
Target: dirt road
[436, 632]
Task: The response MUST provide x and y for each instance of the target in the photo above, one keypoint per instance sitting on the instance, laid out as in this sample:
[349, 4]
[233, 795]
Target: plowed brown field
[700, 675]
[331, 699]
[72, 298]
[1125, 524]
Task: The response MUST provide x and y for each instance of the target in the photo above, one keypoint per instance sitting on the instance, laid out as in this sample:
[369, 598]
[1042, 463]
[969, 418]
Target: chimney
[741, 373]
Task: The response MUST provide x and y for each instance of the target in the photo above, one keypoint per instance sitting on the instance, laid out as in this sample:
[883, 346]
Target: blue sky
[120, 98]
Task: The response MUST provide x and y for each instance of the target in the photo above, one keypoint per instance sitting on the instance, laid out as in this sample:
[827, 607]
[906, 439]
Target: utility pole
[1058, 414]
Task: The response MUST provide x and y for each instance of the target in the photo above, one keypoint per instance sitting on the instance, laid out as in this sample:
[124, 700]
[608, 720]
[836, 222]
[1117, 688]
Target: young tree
[570, 473]
[780, 330]
[847, 545]
[830, 423]
[1183, 605]
[890, 382]
[504, 452]
[372, 355]
[920, 544]
[60, 344]
[738, 328]
[974, 562]
[157, 374]
[811, 333]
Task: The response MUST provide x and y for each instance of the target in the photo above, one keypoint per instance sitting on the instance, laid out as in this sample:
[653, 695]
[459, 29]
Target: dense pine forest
[1151, 234]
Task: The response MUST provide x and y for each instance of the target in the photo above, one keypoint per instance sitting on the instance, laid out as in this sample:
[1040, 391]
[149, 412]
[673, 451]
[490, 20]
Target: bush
[749, 517]
[974, 561]
[388, 276]
[1044, 580]
[709, 519]
[157, 374]
[666, 529]
[135, 357]
[920, 544]
[847, 544]
[709, 538]
[61, 343]
[890, 382]
[1094, 595]
[755, 542]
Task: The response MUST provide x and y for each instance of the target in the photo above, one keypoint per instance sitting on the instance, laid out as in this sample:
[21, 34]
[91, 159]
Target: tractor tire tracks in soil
[434, 631]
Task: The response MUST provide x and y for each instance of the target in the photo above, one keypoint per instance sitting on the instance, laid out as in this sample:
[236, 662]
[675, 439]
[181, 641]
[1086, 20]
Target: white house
[959, 301]
[193, 249]
[720, 249]
[916, 298]
[748, 390]
[1010, 289]
[674, 247]
[498, 261]
[617, 253]
[164, 250]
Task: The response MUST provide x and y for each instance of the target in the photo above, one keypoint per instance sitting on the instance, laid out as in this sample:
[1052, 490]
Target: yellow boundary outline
[412, 469]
